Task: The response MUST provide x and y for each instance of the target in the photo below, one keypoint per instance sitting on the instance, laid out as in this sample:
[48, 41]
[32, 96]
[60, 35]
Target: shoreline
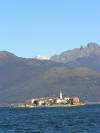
[31, 106]
[60, 105]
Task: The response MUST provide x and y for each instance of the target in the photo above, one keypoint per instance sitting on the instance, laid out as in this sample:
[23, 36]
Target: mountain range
[76, 72]
[85, 56]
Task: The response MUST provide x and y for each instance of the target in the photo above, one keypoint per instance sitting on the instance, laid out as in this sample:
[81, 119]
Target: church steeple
[61, 94]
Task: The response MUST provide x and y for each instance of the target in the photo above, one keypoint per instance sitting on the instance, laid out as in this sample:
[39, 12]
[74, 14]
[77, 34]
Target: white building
[41, 102]
[67, 98]
[32, 101]
[58, 100]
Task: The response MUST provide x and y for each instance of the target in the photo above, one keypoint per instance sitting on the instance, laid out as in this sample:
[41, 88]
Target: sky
[47, 27]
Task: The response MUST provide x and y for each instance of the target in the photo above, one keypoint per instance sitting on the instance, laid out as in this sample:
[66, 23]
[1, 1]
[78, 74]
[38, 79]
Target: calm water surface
[83, 119]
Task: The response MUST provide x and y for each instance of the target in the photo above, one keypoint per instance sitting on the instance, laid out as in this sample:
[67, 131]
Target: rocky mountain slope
[22, 79]
[85, 56]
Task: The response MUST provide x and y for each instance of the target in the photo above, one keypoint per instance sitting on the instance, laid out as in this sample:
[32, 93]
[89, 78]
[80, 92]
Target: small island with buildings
[52, 101]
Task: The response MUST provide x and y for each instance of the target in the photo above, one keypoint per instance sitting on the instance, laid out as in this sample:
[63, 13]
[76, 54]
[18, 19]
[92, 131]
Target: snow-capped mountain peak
[42, 57]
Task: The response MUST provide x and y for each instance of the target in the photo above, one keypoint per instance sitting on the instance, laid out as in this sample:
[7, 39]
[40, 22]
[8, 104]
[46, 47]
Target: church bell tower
[61, 94]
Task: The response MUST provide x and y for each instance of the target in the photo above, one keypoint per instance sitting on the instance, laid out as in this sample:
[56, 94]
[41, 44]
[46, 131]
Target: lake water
[83, 119]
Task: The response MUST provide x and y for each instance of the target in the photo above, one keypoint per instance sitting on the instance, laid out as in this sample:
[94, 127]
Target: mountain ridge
[85, 56]
[24, 78]
[73, 54]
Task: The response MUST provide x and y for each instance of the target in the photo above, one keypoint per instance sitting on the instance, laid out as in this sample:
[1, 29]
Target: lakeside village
[52, 101]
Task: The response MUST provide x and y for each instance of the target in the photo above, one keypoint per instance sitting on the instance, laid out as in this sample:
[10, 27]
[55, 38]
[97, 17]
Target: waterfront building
[67, 98]
[76, 100]
[32, 101]
[58, 100]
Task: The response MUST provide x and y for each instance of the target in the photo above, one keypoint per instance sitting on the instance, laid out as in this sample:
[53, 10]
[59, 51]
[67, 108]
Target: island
[52, 101]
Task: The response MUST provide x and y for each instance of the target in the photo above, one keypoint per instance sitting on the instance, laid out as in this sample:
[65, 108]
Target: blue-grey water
[82, 119]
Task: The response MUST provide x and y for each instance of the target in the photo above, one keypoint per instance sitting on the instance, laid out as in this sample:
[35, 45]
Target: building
[76, 100]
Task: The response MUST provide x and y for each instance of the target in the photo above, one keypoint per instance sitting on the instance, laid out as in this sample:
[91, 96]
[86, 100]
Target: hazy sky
[46, 27]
